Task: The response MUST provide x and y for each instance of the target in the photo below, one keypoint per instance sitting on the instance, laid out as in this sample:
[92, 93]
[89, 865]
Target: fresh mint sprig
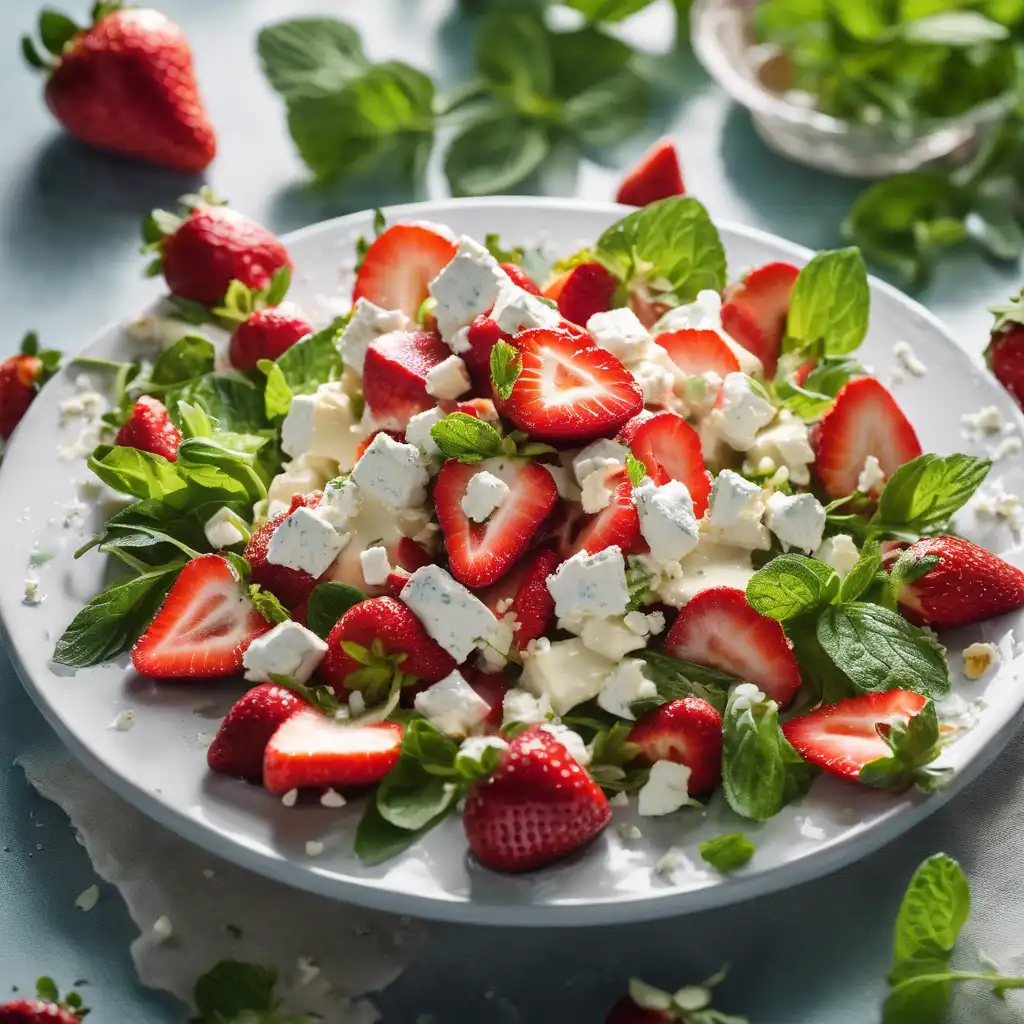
[728, 852]
[233, 992]
[469, 439]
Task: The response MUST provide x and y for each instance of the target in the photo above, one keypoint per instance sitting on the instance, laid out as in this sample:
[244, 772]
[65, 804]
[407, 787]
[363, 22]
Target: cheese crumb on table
[908, 360]
[88, 898]
[979, 658]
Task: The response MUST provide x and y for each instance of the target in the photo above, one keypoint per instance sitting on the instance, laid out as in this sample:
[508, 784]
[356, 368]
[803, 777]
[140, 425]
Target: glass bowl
[724, 43]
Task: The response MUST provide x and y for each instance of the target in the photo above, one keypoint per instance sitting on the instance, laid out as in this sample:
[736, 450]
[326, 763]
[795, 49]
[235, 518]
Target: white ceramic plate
[160, 764]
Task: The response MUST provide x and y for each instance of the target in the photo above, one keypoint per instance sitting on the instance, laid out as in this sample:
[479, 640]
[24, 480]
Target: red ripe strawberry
[244, 734]
[265, 335]
[149, 428]
[395, 375]
[492, 687]
[569, 390]
[520, 277]
[696, 352]
[19, 377]
[37, 1011]
[533, 604]
[289, 586]
[618, 523]
[755, 310]
[484, 334]
[212, 246]
[203, 627]
[400, 264]
[969, 584]
[1005, 352]
[647, 310]
[583, 291]
[625, 1011]
[127, 84]
[397, 631]
[480, 553]
[397, 580]
[310, 749]
[843, 737]
[669, 447]
[687, 731]
[802, 372]
[719, 629]
[865, 420]
[657, 176]
[538, 807]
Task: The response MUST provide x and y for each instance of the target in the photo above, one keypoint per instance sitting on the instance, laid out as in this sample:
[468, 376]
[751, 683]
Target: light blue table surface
[69, 265]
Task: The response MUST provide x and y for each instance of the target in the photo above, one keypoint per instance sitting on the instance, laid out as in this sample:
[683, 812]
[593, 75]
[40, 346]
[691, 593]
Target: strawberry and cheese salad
[526, 545]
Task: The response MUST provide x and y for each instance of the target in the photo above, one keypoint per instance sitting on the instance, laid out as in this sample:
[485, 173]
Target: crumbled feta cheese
[619, 799]
[657, 381]
[314, 848]
[987, 420]
[517, 310]
[450, 614]
[699, 394]
[588, 584]
[466, 287]
[979, 658]
[124, 721]
[572, 741]
[625, 686]
[840, 552]
[306, 971]
[665, 791]
[785, 443]
[297, 428]
[291, 798]
[905, 355]
[595, 493]
[636, 622]
[870, 476]
[305, 540]
[656, 623]
[474, 747]
[742, 410]
[625, 828]
[620, 332]
[225, 528]
[448, 379]
[452, 705]
[809, 830]
[566, 672]
[522, 706]
[798, 520]
[1007, 446]
[375, 565]
[996, 503]
[666, 520]
[567, 488]
[390, 471]
[598, 454]
[606, 636]
[734, 514]
[341, 502]
[332, 798]
[289, 649]
[484, 494]
[87, 899]
[322, 424]
[417, 431]
[368, 323]
[300, 476]
[162, 929]
[356, 703]
[494, 653]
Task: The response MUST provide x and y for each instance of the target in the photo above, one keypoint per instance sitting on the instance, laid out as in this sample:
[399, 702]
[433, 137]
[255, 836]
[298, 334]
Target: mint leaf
[792, 585]
[190, 356]
[670, 247]
[829, 303]
[513, 55]
[377, 840]
[310, 56]
[862, 575]
[230, 988]
[914, 745]
[811, 400]
[514, 255]
[727, 853]
[878, 650]
[410, 797]
[635, 470]
[495, 152]
[194, 421]
[817, 669]
[908, 567]
[327, 603]
[506, 365]
[676, 678]
[466, 438]
[268, 605]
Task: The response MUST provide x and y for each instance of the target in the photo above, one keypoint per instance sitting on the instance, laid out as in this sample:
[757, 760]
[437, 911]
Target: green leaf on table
[494, 153]
[828, 308]
[792, 585]
[310, 56]
[727, 853]
[327, 603]
[466, 438]
[190, 356]
[513, 55]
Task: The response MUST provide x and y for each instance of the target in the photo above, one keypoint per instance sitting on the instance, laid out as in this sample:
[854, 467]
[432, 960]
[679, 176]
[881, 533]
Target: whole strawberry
[21, 377]
[46, 1008]
[265, 335]
[208, 247]
[1005, 352]
[126, 84]
[149, 428]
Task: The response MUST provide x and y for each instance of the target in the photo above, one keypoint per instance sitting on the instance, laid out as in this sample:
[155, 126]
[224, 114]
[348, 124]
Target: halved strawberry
[492, 687]
[311, 749]
[395, 375]
[670, 448]
[696, 352]
[520, 277]
[656, 176]
[617, 524]
[843, 737]
[289, 586]
[204, 626]
[755, 309]
[533, 604]
[865, 420]
[538, 807]
[480, 553]
[687, 731]
[719, 629]
[969, 584]
[149, 428]
[399, 265]
[569, 390]
[583, 291]
[244, 734]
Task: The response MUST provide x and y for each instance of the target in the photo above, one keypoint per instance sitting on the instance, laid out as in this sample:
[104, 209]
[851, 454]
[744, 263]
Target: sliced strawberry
[533, 604]
[843, 737]
[480, 553]
[399, 265]
[803, 371]
[755, 310]
[617, 524]
[570, 390]
[492, 687]
[399, 635]
[311, 749]
[657, 176]
[696, 352]
[244, 734]
[969, 584]
[397, 580]
[583, 291]
[865, 420]
[538, 807]
[719, 629]
[563, 527]
[203, 627]
[395, 375]
[687, 731]
[669, 447]
[267, 334]
[149, 428]
[520, 277]
[395, 435]
[484, 334]
[289, 586]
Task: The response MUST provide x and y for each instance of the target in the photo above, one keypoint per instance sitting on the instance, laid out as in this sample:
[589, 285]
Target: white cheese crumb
[162, 929]
[666, 789]
[619, 799]
[124, 721]
[870, 476]
[314, 848]
[978, 659]
[628, 831]
[375, 565]
[88, 898]
[907, 360]
[987, 420]
[332, 798]
[448, 379]
[356, 702]
[290, 797]
[1008, 446]
[484, 495]
[306, 971]
[811, 831]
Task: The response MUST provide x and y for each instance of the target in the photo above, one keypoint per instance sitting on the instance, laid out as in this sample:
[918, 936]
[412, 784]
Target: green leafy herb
[727, 853]
[829, 305]
[327, 603]
[913, 746]
[232, 399]
[812, 399]
[302, 368]
[635, 470]
[676, 678]
[268, 605]
[466, 438]
[792, 585]
[689, 1005]
[506, 365]
[233, 992]
[500, 253]
[863, 574]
